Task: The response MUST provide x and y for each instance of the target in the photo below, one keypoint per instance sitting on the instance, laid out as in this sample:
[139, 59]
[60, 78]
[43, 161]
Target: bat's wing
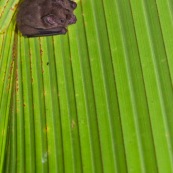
[36, 32]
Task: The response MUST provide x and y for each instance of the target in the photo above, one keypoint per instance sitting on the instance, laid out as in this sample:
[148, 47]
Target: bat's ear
[49, 19]
[52, 20]
[72, 19]
[73, 4]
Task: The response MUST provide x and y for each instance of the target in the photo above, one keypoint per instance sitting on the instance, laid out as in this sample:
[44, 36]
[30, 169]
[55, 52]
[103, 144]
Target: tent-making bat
[45, 17]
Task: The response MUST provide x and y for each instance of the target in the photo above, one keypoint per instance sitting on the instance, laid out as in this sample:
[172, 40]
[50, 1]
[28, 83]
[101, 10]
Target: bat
[45, 17]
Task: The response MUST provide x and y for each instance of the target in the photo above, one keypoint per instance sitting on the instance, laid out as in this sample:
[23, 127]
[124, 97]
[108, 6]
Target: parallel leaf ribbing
[98, 99]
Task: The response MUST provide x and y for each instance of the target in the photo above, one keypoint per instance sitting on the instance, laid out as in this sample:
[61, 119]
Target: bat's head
[58, 17]
[50, 17]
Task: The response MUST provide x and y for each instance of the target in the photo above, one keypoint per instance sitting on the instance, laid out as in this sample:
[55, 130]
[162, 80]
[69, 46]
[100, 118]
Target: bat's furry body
[45, 17]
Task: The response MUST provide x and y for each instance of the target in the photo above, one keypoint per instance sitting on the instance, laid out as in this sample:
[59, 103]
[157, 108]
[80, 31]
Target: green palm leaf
[98, 99]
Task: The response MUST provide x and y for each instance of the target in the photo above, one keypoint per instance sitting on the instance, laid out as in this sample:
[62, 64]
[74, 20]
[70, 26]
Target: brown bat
[45, 17]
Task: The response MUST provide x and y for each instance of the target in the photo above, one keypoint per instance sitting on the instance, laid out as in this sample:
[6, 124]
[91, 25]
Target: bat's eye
[50, 19]
[62, 21]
